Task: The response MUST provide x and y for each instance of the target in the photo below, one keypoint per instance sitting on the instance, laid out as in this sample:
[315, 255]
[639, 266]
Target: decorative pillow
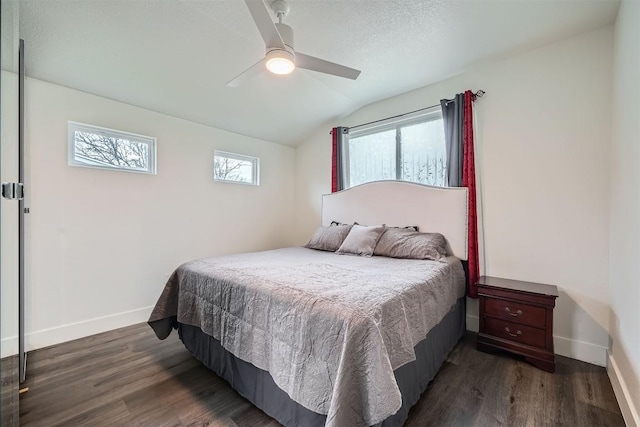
[406, 243]
[409, 227]
[329, 238]
[361, 240]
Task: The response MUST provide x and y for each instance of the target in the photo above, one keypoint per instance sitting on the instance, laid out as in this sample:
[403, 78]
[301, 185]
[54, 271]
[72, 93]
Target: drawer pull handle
[516, 314]
[507, 330]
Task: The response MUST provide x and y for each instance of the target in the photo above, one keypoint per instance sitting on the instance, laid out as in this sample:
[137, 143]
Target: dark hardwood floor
[9, 391]
[128, 377]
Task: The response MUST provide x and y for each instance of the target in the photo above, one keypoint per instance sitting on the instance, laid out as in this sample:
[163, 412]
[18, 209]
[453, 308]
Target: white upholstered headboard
[399, 203]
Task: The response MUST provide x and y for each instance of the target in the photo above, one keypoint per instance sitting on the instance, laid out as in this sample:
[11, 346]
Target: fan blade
[267, 28]
[316, 64]
[248, 74]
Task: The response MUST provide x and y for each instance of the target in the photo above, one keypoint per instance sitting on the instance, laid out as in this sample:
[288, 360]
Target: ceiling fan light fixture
[280, 62]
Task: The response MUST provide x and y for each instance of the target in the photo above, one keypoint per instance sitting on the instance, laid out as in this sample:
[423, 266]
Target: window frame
[424, 116]
[151, 142]
[255, 167]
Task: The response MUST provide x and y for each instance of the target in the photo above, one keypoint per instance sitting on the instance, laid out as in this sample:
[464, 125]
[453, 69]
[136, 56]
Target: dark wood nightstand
[517, 316]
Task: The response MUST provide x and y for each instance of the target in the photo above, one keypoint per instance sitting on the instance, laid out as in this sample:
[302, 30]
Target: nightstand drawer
[515, 332]
[515, 312]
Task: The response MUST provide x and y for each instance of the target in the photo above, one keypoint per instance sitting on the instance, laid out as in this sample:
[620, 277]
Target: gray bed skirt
[258, 386]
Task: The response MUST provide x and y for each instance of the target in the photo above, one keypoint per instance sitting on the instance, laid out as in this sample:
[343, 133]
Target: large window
[410, 149]
[96, 147]
[237, 168]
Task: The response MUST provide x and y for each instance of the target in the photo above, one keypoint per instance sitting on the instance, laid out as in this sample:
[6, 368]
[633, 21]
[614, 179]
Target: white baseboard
[72, 331]
[579, 350]
[473, 323]
[620, 389]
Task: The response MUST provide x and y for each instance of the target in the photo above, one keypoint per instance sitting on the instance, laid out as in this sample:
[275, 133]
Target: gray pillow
[361, 240]
[406, 243]
[329, 238]
[409, 227]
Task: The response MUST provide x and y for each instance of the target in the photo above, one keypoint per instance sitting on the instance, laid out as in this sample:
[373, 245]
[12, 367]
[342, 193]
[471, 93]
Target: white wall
[624, 361]
[9, 210]
[543, 136]
[103, 243]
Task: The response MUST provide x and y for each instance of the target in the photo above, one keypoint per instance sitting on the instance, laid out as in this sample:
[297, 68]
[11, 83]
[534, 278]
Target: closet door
[9, 213]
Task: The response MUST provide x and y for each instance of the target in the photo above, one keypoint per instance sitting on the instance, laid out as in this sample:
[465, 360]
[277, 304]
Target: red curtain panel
[334, 160]
[469, 181]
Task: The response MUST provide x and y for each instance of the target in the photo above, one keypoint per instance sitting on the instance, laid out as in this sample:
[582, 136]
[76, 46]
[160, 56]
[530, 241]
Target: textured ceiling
[175, 56]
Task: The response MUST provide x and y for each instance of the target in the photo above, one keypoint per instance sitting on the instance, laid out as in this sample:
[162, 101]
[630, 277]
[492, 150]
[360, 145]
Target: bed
[315, 338]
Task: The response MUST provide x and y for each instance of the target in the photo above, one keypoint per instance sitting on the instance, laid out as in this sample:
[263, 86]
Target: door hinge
[13, 190]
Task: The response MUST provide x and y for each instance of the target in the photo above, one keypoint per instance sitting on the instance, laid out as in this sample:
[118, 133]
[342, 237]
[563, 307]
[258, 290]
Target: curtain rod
[476, 95]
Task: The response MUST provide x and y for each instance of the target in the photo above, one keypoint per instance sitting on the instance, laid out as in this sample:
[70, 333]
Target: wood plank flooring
[9, 391]
[128, 377]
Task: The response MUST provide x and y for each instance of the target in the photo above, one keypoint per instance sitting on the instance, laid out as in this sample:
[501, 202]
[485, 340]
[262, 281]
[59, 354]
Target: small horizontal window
[96, 147]
[230, 167]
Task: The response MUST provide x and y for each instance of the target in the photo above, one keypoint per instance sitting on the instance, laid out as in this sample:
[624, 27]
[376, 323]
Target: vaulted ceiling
[175, 56]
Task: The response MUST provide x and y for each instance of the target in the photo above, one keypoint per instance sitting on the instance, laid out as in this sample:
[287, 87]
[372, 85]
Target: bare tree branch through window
[229, 169]
[235, 168]
[112, 151]
[97, 147]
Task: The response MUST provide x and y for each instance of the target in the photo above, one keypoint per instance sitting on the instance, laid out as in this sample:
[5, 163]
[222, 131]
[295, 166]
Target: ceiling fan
[281, 57]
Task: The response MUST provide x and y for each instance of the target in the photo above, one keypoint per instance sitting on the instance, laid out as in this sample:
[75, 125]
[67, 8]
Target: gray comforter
[330, 329]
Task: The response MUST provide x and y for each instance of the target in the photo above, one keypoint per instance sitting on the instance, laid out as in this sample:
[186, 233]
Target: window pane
[232, 169]
[410, 149]
[423, 153]
[96, 147]
[100, 150]
[372, 157]
[235, 168]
